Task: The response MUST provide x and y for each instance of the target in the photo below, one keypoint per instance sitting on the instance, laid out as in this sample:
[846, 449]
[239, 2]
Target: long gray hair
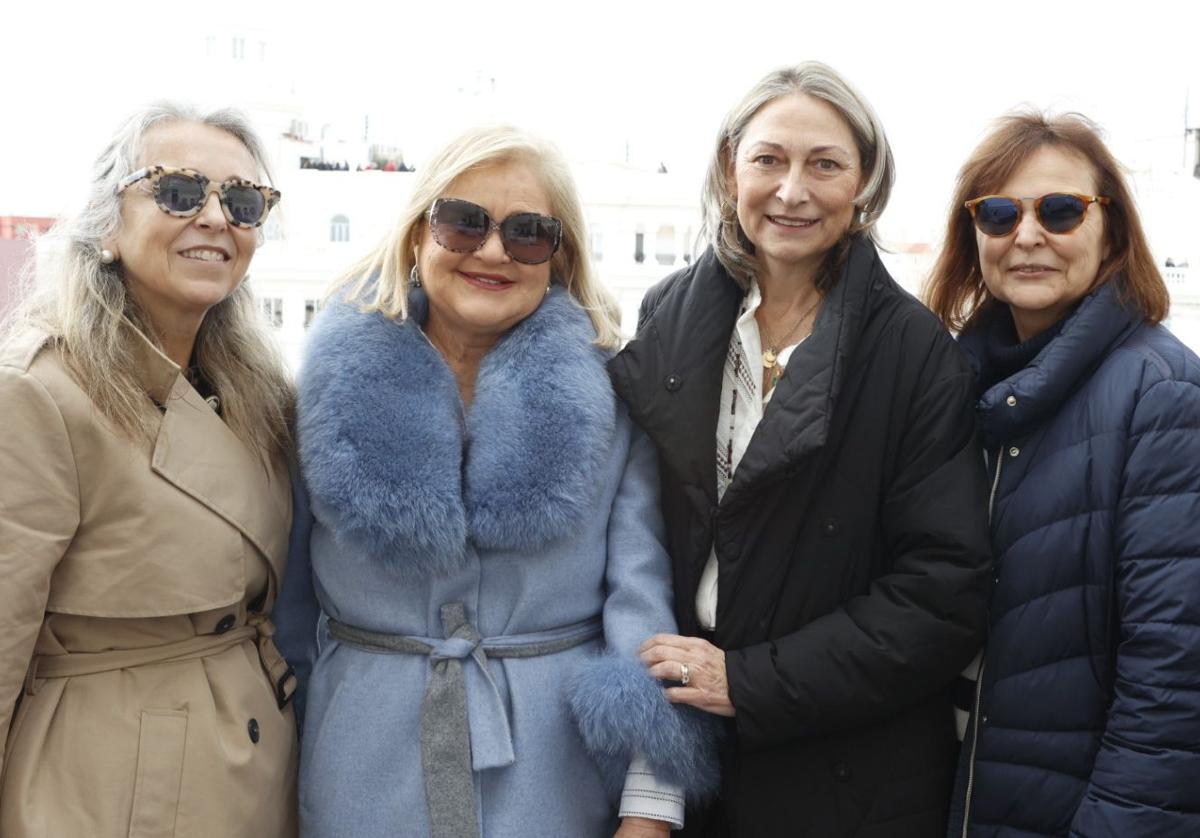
[88, 312]
[720, 224]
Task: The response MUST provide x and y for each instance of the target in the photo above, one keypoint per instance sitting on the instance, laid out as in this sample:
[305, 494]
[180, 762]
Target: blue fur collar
[395, 469]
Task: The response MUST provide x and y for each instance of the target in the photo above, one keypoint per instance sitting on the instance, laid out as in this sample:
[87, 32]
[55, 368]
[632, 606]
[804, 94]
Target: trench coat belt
[258, 628]
[463, 731]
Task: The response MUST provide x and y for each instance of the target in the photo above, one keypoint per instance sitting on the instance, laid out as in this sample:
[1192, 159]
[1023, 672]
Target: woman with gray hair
[145, 504]
[824, 498]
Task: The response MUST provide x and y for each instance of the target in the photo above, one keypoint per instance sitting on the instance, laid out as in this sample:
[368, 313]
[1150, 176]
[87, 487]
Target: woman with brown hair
[1086, 714]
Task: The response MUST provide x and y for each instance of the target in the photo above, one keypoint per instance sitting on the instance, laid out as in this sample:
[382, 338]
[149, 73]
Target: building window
[639, 247]
[339, 229]
[664, 245]
[271, 309]
[311, 307]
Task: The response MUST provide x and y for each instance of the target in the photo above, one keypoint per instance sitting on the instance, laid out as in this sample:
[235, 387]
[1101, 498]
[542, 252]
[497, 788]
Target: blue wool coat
[1089, 714]
[537, 508]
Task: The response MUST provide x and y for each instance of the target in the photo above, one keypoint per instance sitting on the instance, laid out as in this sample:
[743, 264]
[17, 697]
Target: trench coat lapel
[197, 453]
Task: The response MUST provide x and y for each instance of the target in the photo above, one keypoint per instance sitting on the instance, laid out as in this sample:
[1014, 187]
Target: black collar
[670, 376]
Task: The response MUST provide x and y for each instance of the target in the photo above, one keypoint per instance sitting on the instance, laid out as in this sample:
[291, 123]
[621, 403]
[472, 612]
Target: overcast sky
[596, 77]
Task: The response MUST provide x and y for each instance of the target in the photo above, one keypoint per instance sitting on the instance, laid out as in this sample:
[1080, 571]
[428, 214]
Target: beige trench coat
[138, 679]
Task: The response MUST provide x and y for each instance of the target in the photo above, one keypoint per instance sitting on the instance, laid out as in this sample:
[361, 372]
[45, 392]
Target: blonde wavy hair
[87, 311]
[717, 205]
[379, 281]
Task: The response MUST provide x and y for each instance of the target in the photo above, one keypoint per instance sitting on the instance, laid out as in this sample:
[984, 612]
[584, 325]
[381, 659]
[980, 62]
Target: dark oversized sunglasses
[182, 193]
[464, 227]
[1058, 212]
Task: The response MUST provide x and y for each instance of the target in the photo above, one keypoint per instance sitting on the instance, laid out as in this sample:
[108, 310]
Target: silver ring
[684, 674]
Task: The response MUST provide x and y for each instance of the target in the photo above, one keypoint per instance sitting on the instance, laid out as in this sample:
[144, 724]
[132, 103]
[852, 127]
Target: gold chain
[771, 347]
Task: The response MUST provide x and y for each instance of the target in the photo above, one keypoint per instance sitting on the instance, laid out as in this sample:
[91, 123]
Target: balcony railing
[1183, 283]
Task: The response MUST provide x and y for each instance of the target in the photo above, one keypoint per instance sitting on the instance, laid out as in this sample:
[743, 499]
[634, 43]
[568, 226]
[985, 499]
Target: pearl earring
[107, 257]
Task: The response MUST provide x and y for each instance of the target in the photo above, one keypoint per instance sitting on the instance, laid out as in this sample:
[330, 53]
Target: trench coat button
[226, 623]
[841, 772]
[672, 383]
[1011, 401]
[252, 729]
[1014, 451]
[830, 528]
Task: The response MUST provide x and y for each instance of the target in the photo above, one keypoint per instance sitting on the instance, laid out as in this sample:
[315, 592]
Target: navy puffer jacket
[1088, 721]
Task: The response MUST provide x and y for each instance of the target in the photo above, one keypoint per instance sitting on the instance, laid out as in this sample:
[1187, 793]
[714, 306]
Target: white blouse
[742, 406]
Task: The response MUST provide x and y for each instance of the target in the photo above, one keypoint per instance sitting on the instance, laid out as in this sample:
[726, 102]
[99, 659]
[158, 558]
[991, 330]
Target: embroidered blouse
[742, 407]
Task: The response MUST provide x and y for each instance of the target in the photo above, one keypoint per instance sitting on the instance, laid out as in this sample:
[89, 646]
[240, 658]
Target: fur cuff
[620, 710]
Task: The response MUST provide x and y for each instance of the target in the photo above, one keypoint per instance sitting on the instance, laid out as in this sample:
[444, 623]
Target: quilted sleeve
[1146, 778]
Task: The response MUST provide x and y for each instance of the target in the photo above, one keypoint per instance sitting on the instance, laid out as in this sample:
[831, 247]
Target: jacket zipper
[979, 677]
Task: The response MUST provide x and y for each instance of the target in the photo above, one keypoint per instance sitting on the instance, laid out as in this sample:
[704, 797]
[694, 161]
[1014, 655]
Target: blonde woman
[485, 541]
[145, 505]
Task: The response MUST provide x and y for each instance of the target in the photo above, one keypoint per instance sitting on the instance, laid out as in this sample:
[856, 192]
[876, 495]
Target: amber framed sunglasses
[1058, 212]
[182, 193]
[463, 227]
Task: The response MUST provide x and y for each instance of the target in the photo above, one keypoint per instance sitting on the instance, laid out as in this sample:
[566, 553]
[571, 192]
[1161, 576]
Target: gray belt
[447, 731]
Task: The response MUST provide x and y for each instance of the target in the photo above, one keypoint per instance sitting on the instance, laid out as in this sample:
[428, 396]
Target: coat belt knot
[464, 728]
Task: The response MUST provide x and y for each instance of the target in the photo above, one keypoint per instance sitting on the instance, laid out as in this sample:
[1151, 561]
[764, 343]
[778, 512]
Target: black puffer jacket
[852, 547]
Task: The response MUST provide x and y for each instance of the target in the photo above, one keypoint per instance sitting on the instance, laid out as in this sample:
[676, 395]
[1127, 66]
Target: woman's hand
[670, 657]
[642, 828]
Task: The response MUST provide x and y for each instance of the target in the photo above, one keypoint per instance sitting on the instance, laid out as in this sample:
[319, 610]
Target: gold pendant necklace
[771, 348]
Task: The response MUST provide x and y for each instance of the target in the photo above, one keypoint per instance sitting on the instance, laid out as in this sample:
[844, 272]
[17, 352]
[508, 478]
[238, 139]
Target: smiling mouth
[1030, 270]
[204, 254]
[794, 223]
[492, 282]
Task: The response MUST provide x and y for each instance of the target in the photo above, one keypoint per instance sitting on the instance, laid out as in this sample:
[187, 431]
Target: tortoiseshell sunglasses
[182, 193]
[1058, 212]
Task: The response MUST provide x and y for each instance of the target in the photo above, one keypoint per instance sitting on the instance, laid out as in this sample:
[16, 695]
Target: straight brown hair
[955, 290]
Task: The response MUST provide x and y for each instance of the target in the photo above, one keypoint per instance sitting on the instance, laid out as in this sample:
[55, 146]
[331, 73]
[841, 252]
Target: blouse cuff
[646, 796]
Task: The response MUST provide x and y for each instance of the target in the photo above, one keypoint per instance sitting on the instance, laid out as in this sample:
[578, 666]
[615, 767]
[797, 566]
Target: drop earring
[414, 278]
